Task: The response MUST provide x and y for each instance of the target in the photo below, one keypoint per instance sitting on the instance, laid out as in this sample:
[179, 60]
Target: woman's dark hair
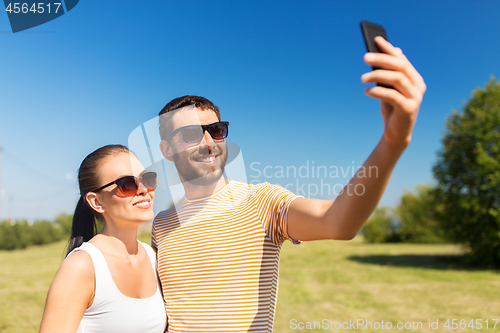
[84, 219]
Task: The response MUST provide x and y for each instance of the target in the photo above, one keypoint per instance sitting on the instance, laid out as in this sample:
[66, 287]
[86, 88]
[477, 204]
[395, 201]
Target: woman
[108, 282]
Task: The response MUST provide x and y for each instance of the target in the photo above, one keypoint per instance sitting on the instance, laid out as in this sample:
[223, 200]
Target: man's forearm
[361, 195]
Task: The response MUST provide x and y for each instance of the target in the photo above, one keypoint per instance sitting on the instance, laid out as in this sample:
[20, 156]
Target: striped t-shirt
[218, 258]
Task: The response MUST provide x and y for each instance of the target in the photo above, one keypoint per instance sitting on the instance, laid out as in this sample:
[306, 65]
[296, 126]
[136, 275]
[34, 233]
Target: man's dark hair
[200, 102]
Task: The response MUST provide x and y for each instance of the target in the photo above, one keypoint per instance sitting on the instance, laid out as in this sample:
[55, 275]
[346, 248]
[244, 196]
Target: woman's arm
[70, 294]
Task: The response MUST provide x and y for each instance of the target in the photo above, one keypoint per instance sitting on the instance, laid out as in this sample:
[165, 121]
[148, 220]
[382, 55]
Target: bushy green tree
[22, 233]
[417, 213]
[65, 222]
[380, 227]
[14, 235]
[468, 174]
[44, 232]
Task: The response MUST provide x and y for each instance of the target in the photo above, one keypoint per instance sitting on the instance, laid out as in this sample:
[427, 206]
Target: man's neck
[197, 191]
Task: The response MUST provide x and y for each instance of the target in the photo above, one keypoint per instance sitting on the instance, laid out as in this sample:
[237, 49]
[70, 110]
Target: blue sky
[286, 74]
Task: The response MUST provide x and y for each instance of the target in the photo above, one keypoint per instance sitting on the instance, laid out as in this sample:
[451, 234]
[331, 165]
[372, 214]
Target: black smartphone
[370, 31]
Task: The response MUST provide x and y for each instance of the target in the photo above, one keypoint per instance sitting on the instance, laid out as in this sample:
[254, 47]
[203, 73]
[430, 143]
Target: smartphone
[370, 31]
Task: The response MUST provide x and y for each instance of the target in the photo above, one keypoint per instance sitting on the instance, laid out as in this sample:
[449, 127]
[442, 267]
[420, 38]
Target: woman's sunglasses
[129, 185]
[194, 133]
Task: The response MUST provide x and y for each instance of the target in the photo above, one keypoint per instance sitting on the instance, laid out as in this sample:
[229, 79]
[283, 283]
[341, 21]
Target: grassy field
[342, 281]
[324, 282]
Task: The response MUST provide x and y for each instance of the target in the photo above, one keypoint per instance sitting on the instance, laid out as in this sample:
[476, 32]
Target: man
[218, 248]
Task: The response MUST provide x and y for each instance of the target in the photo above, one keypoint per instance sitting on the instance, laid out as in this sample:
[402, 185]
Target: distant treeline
[23, 233]
[414, 220]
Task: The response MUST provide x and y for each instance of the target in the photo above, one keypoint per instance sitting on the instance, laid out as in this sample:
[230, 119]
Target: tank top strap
[152, 255]
[103, 279]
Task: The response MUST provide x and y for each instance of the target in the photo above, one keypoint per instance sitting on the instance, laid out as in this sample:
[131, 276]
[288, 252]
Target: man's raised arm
[311, 219]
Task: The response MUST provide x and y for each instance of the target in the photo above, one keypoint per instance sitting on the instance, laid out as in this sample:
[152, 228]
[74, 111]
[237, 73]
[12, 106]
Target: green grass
[342, 281]
[336, 281]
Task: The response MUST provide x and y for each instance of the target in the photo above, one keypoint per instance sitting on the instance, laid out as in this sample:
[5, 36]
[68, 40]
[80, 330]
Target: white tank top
[111, 311]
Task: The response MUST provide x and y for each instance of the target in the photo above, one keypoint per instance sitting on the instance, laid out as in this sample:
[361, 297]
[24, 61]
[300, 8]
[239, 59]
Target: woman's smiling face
[113, 205]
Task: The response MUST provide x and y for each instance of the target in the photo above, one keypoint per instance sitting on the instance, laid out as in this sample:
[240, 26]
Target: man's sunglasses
[194, 133]
[129, 185]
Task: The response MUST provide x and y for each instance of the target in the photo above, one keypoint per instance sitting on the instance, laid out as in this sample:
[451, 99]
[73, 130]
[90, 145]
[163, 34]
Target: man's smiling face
[199, 163]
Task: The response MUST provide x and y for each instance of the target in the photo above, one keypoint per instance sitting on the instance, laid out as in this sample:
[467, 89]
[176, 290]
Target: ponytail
[84, 219]
[84, 225]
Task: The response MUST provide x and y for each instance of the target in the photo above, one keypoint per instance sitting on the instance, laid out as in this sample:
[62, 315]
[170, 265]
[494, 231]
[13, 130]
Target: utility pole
[9, 217]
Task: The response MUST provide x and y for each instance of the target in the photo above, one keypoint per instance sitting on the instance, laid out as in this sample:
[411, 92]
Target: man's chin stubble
[206, 180]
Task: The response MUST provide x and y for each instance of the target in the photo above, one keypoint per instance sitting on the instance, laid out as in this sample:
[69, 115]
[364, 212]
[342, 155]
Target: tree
[468, 174]
[44, 232]
[380, 227]
[65, 222]
[416, 213]
[14, 235]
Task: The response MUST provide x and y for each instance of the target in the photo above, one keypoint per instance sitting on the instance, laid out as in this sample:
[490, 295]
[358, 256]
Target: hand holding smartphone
[370, 31]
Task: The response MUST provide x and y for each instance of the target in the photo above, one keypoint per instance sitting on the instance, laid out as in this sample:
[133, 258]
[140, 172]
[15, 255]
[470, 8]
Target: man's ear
[94, 202]
[166, 150]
